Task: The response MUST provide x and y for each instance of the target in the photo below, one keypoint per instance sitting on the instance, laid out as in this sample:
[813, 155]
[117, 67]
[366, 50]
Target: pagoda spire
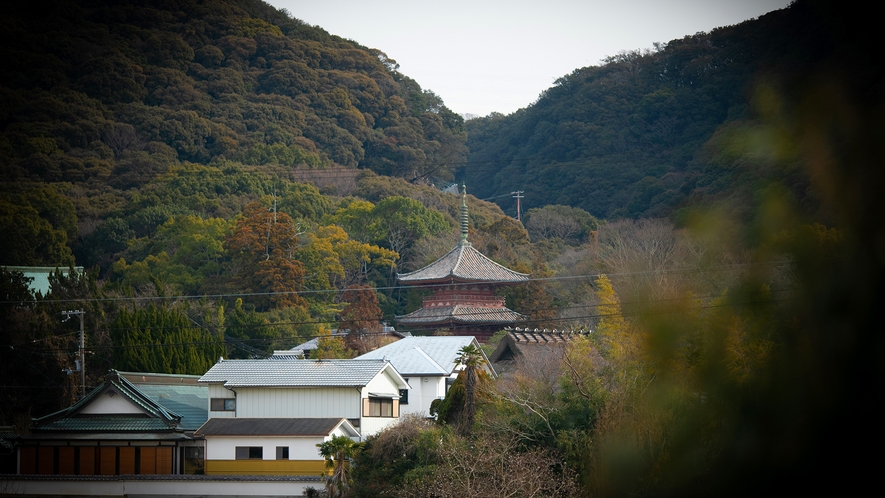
[464, 220]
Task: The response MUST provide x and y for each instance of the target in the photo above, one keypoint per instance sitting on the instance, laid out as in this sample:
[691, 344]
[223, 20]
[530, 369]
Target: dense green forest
[651, 133]
[236, 181]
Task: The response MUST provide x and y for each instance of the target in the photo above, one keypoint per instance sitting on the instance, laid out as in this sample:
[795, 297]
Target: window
[223, 404]
[282, 452]
[404, 396]
[380, 407]
[250, 453]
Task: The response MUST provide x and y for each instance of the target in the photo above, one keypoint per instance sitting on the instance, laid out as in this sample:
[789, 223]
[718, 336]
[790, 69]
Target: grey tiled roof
[460, 314]
[293, 373]
[463, 264]
[269, 426]
[433, 355]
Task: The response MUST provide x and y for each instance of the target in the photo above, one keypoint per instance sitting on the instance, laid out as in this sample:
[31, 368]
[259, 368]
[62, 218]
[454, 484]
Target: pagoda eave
[460, 315]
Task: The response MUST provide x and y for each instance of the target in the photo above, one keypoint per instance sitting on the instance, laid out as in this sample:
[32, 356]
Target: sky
[485, 56]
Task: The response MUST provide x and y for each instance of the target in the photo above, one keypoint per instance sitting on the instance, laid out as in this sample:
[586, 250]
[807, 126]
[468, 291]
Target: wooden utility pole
[518, 195]
[81, 351]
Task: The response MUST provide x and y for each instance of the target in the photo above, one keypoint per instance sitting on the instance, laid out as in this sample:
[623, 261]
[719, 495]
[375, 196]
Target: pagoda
[463, 283]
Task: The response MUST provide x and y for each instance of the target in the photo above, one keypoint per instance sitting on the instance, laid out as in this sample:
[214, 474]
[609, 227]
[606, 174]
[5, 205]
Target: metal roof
[439, 315]
[273, 427]
[463, 264]
[294, 373]
[429, 355]
[189, 401]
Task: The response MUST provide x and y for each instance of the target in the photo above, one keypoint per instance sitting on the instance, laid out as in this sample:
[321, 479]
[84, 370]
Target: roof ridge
[429, 358]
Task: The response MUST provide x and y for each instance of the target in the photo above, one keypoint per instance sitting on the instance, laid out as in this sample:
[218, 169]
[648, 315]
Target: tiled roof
[106, 423]
[114, 382]
[460, 314]
[269, 426]
[293, 373]
[433, 355]
[462, 264]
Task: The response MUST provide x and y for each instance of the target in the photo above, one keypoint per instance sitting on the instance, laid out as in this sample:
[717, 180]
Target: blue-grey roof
[429, 355]
[294, 373]
[190, 402]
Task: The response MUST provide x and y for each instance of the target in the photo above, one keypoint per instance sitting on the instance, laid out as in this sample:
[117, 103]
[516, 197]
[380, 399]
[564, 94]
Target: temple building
[463, 284]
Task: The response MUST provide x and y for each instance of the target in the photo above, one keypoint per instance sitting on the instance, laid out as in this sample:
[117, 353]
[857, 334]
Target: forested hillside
[651, 132]
[106, 96]
[224, 149]
[235, 181]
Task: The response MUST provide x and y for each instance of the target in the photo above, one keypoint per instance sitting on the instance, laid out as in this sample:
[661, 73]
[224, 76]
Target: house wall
[381, 384]
[262, 402]
[85, 458]
[304, 457]
[424, 390]
[219, 391]
[111, 404]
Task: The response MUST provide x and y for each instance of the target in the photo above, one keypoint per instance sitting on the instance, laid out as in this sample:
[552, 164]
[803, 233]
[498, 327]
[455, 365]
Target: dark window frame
[249, 452]
[223, 404]
[282, 452]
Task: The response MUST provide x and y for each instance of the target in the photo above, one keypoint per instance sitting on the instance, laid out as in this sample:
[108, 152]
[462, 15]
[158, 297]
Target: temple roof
[462, 264]
[459, 314]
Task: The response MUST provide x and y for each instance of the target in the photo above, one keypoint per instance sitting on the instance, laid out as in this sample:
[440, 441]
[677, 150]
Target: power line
[671, 271]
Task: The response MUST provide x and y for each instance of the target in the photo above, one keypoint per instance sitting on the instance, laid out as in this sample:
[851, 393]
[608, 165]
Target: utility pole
[81, 351]
[518, 195]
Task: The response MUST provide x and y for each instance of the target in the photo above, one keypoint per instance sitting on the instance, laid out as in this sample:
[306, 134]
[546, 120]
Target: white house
[269, 446]
[428, 365]
[365, 392]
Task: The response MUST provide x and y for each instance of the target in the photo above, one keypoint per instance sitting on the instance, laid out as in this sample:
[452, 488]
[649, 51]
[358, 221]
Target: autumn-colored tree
[262, 249]
[360, 318]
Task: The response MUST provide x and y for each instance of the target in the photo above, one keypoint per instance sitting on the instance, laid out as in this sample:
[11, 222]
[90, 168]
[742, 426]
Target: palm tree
[471, 357]
[337, 451]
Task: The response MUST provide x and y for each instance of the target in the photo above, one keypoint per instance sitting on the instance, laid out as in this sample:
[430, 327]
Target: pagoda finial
[464, 220]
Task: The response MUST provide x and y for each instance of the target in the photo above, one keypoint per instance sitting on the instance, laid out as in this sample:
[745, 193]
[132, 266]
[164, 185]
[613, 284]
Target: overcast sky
[482, 56]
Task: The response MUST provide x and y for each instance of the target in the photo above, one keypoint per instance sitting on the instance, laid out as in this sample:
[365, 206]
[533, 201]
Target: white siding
[262, 402]
[219, 391]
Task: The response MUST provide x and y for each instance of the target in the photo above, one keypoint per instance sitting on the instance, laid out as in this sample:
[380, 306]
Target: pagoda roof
[460, 314]
[463, 264]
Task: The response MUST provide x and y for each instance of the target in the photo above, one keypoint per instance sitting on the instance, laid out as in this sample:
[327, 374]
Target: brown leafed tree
[360, 318]
[262, 248]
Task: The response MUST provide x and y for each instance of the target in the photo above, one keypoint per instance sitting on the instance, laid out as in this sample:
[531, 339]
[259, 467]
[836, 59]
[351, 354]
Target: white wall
[382, 384]
[300, 448]
[260, 402]
[111, 404]
[424, 391]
